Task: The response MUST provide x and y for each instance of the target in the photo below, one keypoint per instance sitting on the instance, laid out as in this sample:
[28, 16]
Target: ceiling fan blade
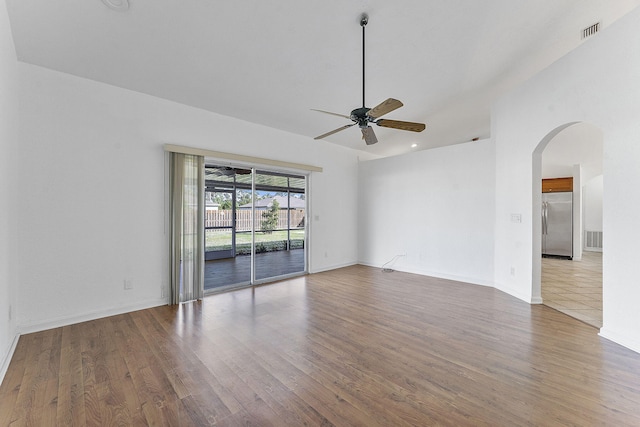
[397, 124]
[384, 107]
[333, 114]
[324, 135]
[368, 135]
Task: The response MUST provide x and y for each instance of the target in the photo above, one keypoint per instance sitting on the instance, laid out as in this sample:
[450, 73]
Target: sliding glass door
[227, 250]
[279, 225]
[254, 226]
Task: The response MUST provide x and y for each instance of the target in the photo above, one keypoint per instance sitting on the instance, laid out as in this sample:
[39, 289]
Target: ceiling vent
[590, 30]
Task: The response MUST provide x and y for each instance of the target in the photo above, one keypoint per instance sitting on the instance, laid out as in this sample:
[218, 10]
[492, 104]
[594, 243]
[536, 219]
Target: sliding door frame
[255, 170]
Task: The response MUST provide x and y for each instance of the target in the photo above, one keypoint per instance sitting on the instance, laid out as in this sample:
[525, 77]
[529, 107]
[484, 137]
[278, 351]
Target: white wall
[91, 196]
[437, 206]
[8, 132]
[598, 84]
[592, 202]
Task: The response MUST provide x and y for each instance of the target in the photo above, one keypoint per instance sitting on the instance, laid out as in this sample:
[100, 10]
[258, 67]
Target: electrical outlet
[513, 271]
[128, 284]
[161, 291]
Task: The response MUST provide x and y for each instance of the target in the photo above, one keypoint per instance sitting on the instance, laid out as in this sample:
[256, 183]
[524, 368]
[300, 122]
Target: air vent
[591, 30]
[593, 240]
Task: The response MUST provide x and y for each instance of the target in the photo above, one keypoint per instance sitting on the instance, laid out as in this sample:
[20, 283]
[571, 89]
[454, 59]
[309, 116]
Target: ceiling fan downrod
[364, 20]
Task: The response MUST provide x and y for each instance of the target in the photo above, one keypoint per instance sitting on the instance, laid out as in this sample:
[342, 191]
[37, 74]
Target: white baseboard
[439, 275]
[517, 294]
[331, 267]
[471, 280]
[78, 318]
[428, 273]
[7, 358]
[625, 341]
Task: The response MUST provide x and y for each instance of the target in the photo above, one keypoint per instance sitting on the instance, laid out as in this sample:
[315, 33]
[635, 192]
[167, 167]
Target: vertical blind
[186, 227]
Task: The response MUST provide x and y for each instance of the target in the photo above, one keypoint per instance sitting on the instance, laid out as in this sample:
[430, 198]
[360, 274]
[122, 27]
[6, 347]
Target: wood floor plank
[121, 395]
[352, 346]
[24, 408]
[296, 383]
[131, 358]
[203, 384]
[70, 408]
[10, 387]
[155, 402]
[288, 407]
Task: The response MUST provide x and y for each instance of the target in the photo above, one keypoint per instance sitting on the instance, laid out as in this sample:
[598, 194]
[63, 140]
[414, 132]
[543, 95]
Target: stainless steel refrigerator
[557, 224]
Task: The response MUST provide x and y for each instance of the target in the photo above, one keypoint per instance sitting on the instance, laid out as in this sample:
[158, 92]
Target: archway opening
[571, 284]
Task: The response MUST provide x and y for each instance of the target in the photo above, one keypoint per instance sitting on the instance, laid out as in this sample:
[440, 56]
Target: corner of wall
[4, 365]
[620, 338]
[9, 84]
[84, 317]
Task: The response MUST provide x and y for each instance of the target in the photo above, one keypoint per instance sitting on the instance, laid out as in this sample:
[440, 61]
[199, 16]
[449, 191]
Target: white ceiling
[270, 62]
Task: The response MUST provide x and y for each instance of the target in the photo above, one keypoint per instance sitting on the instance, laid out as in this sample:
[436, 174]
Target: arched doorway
[573, 150]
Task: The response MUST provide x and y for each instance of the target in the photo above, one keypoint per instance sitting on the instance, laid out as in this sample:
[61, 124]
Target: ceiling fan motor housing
[359, 115]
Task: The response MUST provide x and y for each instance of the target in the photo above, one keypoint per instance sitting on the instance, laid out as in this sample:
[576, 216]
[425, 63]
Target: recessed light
[119, 5]
[414, 145]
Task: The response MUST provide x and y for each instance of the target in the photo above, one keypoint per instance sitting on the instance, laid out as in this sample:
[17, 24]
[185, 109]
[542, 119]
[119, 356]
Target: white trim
[307, 224]
[428, 273]
[332, 267]
[7, 359]
[240, 158]
[626, 341]
[70, 320]
[529, 299]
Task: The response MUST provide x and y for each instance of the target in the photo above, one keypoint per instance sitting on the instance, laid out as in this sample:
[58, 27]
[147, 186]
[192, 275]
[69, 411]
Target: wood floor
[574, 287]
[353, 346]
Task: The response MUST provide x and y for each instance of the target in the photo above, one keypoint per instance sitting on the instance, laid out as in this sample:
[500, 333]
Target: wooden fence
[224, 218]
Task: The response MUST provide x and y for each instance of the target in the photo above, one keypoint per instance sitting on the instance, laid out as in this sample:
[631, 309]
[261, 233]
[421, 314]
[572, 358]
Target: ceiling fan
[364, 116]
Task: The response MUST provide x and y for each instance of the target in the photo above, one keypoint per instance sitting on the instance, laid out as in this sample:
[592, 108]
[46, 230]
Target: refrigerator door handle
[544, 217]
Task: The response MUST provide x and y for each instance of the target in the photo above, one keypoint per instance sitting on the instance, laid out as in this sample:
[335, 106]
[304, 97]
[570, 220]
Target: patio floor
[237, 271]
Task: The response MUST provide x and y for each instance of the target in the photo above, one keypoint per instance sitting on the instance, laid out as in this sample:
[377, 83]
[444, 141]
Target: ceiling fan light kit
[364, 116]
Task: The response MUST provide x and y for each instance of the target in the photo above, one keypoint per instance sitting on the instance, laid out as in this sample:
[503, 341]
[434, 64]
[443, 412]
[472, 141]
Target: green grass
[221, 240]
